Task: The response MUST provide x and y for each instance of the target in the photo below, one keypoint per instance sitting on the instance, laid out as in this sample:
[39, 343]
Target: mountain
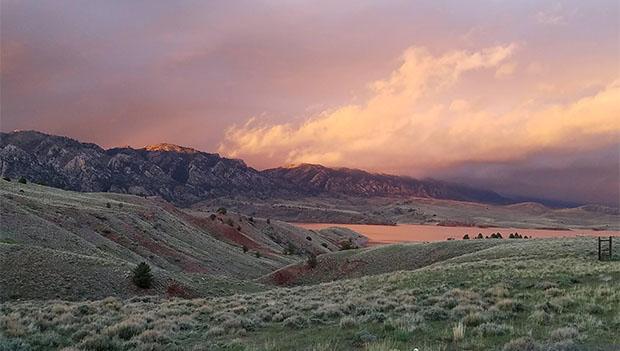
[185, 176]
[178, 174]
[355, 182]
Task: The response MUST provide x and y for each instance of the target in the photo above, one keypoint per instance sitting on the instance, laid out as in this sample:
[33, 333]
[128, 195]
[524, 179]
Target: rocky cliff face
[180, 175]
[184, 176]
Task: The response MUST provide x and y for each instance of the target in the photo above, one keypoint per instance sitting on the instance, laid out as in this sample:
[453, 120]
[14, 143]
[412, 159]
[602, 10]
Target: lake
[380, 234]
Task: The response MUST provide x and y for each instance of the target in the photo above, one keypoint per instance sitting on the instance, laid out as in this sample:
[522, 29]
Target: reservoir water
[419, 232]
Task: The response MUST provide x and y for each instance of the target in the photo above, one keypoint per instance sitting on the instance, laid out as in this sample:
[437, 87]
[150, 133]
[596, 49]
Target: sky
[522, 97]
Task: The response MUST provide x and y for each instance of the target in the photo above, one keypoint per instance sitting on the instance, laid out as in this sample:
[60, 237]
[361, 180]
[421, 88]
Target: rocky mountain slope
[355, 182]
[185, 176]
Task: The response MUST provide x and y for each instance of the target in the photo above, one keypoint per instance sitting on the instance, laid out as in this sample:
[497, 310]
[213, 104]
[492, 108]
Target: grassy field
[543, 294]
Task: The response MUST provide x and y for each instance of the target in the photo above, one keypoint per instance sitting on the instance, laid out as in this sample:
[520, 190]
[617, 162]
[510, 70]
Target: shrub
[347, 322]
[540, 317]
[474, 319]
[364, 337]
[564, 345]
[291, 249]
[509, 305]
[142, 276]
[347, 245]
[212, 216]
[522, 344]
[435, 313]
[7, 179]
[309, 238]
[230, 222]
[244, 248]
[125, 330]
[492, 329]
[257, 254]
[108, 205]
[564, 333]
[221, 210]
[312, 261]
[324, 245]
[295, 322]
[466, 237]
[22, 180]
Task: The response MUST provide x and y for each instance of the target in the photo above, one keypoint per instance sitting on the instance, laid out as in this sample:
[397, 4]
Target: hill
[63, 239]
[543, 294]
[186, 176]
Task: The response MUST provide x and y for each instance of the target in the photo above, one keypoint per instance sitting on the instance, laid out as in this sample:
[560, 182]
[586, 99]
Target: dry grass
[482, 293]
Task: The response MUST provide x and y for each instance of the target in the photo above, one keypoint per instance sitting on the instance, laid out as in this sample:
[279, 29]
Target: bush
[257, 254]
[295, 322]
[466, 237]
[564, 334]
[347, 245]
[522, 344]
[108, 205]
[493, 329]
[230, 222]
[221, 210]
[22, 180]
[435, 313]
[347, 322]
[142, 276]
[245, 249]
[312, 261]
[7, 179]
[291, 249]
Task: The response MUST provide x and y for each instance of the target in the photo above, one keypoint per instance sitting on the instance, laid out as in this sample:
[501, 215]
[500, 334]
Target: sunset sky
[522, 97]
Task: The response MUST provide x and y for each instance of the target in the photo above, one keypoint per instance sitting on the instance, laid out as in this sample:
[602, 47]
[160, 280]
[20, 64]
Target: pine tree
[142, 276]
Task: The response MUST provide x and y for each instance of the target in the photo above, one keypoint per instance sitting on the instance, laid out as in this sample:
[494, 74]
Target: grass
[546, 294]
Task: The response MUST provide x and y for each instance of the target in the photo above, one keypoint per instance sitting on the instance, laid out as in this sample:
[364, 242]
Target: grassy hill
[63, 244]
[542, 294]
[374, 260]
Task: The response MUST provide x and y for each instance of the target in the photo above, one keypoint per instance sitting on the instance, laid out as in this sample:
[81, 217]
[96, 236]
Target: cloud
[555, 15]
[506, 70]
[406, 125]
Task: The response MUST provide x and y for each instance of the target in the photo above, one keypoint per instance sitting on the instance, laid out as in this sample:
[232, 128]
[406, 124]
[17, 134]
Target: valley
[296, 258]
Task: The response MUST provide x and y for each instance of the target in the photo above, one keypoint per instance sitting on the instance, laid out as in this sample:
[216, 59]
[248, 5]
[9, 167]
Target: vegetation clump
[22, 180]
[312, 261]
[142, 276]
[347, 245]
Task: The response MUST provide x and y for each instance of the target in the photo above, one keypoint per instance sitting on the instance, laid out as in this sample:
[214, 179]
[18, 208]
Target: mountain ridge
[185, 175]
